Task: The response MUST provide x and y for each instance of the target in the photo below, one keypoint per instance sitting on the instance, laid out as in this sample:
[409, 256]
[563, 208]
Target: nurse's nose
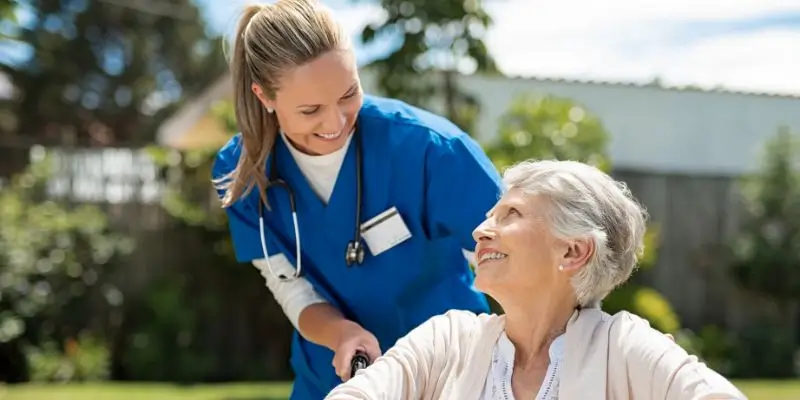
[335, 121]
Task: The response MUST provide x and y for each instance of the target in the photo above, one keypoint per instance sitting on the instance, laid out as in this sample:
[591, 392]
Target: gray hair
[584, 202]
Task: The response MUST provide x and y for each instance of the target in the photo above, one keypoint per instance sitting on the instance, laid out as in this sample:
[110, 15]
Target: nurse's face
[317, 103]
[517, 256]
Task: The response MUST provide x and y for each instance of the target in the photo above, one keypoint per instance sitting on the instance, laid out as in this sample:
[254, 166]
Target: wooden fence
[697, 217]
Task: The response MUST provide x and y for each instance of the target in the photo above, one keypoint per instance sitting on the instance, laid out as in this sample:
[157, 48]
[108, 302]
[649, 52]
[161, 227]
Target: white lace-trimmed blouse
[498, 381]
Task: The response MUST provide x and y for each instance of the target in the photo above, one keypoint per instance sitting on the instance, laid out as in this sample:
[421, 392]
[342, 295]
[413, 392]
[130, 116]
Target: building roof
[654, 84]
[596, 93]
[179, 124]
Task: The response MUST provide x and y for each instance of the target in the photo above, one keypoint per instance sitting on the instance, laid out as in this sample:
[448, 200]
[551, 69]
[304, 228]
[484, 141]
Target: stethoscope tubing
[279, 182]
[298, 247]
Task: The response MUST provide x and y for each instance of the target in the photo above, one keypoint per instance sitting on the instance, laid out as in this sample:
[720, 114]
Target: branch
[156, 8]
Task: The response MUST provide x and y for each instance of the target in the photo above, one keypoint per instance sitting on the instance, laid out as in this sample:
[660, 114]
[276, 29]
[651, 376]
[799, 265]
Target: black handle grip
[360, 361]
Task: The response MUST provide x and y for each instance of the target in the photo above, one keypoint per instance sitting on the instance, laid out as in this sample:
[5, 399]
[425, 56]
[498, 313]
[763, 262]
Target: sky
[749, 45]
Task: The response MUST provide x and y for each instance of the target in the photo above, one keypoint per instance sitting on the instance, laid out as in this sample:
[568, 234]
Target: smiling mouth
[329, 136]
[493, 256]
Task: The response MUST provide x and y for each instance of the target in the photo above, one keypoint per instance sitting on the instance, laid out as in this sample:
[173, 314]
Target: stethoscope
[354, 253]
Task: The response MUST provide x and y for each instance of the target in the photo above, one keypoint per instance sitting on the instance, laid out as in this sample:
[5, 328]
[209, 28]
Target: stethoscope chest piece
[354, 253]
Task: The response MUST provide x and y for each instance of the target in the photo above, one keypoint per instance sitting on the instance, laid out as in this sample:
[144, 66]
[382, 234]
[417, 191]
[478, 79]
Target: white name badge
[385, 231]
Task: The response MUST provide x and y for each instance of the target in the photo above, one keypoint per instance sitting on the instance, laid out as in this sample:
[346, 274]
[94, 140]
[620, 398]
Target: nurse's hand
[353, 338]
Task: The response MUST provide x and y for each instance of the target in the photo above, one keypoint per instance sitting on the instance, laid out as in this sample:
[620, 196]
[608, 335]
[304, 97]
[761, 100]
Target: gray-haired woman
[561, 238]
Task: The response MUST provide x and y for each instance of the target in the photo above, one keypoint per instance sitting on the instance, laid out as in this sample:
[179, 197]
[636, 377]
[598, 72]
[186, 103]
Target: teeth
[492, 256]
[328, 135]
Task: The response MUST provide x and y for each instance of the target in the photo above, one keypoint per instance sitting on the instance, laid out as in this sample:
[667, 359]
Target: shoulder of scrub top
[412, 128]
[377, 113]
[226, 159]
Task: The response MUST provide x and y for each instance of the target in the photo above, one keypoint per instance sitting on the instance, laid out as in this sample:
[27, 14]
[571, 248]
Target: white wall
[655, 129]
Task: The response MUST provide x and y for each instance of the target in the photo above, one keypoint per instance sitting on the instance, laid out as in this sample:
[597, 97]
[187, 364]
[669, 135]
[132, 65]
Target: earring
[560, 267]
[269, 110]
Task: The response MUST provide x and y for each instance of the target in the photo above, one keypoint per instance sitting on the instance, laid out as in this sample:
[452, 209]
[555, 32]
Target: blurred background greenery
[136, 280]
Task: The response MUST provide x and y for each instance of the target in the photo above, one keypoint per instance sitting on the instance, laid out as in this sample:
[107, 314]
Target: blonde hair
[270, 40]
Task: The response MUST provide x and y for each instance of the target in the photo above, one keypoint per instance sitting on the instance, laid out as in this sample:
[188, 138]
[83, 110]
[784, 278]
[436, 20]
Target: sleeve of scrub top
[293, 296]
[463, 185]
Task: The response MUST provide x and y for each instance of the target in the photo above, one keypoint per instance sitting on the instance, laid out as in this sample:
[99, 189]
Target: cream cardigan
[606, 357]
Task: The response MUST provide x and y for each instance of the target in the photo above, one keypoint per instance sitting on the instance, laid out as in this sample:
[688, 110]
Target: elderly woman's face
[515, 250]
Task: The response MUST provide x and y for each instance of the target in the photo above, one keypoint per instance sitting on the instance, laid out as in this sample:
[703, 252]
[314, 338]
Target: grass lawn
[755, 390]
[144, 391]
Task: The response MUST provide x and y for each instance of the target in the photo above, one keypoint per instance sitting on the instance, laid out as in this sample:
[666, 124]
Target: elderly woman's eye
[513, 211]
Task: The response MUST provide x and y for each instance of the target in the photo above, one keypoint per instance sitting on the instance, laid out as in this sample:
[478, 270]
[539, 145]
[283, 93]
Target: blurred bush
[548, 127]
[540, 126]
[209, 315]
[55, 265]
[167, 326]
[714, 345]
[766, 253]
[765, 349]
[766, 258]
[79, 359]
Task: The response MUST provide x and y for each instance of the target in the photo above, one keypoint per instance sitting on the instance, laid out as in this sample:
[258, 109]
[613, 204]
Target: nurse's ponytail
[269, 41]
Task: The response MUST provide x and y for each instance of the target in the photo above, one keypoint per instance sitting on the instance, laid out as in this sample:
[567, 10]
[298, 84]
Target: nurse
[356, 209]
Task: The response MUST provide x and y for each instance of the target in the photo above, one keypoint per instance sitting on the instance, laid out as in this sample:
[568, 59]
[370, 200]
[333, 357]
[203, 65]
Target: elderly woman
[561, 238]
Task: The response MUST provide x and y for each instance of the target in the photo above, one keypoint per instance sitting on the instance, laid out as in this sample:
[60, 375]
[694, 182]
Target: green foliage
[641, 300]
[767, 251]
[170, 320]
[188, 195]
[440, 38]
[766, 258]
[539, 126]
[548, 127]
[715, 346]
[81, 359]
[764, 349]
[167, 329]
[105, 72]
[50, 255]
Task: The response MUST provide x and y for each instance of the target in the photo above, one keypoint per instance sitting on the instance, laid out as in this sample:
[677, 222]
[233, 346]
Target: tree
[766, 253]
[440, 39]
[539, 126]
[103, 72]
[549, 127]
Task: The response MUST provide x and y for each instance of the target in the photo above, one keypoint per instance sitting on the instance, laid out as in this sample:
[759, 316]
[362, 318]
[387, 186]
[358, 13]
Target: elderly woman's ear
[577, 254]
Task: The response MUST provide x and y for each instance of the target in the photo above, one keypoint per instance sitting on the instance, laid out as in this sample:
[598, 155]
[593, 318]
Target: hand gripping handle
[360, 361]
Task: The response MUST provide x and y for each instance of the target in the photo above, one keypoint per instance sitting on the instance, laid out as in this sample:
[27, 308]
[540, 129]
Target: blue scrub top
[441, 182]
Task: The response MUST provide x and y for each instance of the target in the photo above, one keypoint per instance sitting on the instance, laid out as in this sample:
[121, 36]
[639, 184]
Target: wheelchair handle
[360, 361]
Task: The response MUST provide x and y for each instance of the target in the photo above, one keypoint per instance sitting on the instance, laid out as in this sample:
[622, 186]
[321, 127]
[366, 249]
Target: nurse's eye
[349, 95]
[352, 92]
[513, 211]
[310, 111]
